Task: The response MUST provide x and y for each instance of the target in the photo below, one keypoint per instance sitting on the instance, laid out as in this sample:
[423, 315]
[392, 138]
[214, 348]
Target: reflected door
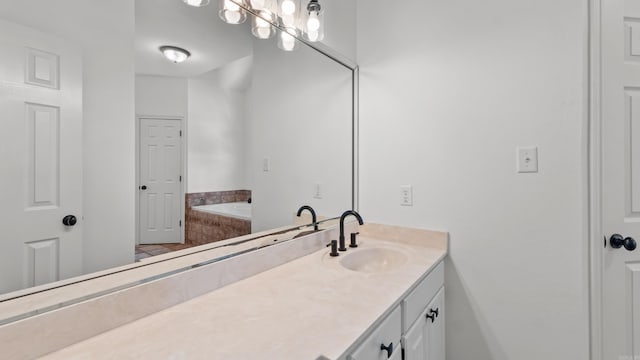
[40, 158]
[621, 178]
[160, 181]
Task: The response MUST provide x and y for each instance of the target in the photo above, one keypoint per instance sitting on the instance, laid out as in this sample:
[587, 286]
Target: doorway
[160, 180]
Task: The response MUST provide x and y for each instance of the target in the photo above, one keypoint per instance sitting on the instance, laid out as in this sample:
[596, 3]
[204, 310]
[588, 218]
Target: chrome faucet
[344, 215]
[313, 215]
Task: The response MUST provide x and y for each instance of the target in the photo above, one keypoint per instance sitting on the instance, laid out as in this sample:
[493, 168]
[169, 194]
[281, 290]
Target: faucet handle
[334, 248]
[353, 243]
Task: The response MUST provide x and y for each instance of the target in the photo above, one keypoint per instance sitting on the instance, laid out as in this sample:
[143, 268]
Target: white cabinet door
[414, 341]
[434, 331]
[397, 354]
[425, 339]
[388, 333]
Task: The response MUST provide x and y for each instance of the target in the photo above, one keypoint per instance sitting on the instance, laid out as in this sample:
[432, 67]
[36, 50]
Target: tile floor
[145, 251]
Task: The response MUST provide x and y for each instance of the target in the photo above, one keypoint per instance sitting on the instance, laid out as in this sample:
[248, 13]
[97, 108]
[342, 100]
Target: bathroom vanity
[376, 301]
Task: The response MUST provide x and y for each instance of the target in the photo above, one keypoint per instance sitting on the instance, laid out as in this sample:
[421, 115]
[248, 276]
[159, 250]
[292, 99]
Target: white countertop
[300, 310]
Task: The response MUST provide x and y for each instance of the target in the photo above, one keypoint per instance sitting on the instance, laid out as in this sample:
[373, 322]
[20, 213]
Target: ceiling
[199, 30]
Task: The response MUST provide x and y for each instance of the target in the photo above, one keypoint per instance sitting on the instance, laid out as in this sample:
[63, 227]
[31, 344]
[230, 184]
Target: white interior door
[40, 158]
[160, 188]
[621, 177]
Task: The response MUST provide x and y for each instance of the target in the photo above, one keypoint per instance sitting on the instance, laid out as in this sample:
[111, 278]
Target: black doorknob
[69, 220]
[143, 187]
[617, 241]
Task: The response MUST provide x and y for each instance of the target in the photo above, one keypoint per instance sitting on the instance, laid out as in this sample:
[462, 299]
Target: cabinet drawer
[415, 303]
[389, 331]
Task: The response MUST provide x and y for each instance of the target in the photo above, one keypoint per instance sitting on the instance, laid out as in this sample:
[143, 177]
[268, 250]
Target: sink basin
[374, 260]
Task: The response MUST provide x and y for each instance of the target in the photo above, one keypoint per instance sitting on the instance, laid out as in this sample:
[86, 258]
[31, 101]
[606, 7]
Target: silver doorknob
[617, 241]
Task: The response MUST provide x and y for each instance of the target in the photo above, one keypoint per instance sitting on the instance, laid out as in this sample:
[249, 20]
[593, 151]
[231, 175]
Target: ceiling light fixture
[197, 3]
[296, 19]
[174, 53]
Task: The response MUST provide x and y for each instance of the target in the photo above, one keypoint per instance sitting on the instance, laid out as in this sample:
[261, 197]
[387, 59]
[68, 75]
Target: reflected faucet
[313, 215]
[344, 215]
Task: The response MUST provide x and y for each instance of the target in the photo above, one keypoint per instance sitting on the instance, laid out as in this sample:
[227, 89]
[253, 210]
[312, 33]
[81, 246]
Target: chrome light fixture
[288, 11]
[293, 18]
[197, 3]
[314, 23]
[287, 40]
[231, 12]
[261, 25]
[174, 53]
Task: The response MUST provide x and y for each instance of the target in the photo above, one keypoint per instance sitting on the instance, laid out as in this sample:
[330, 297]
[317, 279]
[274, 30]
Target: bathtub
[238, 210]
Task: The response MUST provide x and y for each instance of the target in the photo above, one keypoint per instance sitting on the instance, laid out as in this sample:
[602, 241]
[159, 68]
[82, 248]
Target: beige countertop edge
[63, 291]
[308, 309]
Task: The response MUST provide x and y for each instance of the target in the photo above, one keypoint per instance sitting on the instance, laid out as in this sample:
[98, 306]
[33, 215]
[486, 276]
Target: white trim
[183, 159]
[594, 200]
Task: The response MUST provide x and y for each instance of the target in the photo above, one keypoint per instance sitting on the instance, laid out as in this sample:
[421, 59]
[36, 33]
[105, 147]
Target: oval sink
[374, 260]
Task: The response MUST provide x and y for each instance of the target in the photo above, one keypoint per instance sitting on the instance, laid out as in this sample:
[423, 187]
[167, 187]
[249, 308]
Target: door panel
[160, 173]
[621, 174]
[40, 157]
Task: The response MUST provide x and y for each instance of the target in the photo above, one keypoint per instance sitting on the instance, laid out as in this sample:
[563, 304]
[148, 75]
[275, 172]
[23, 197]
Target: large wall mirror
[111, 153]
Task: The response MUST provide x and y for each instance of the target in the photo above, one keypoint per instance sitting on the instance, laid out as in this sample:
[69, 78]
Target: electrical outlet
[406, 195]
[527, 159]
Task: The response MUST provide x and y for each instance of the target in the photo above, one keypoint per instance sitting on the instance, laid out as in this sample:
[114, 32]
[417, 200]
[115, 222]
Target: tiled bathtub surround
[217, 197]
[203, 228]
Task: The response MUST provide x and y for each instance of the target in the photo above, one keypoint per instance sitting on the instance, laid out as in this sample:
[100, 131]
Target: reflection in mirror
[96, 175]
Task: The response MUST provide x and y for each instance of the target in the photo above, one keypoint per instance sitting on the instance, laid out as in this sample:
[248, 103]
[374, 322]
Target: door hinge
[180, 178]
[180, 223]
[180, 133]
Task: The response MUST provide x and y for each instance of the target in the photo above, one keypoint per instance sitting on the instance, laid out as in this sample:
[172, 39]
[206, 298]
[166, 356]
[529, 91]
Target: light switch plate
[317, 191]
[527, 159]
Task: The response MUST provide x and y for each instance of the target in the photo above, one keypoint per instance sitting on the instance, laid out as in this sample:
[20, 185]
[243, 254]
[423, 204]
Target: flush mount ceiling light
[196, 3]
[296, 17]
[174, 53]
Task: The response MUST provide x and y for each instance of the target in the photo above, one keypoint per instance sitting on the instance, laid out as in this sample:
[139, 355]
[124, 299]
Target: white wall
[213, 105]
[105, 31]
[340, 26]
[217, 107]
[449, 89]
[161, 96]
[109, 109]
[299, 118]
